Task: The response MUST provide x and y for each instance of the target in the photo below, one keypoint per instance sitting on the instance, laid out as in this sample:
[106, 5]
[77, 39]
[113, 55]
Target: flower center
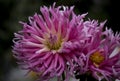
[97, 58]
[53, 42]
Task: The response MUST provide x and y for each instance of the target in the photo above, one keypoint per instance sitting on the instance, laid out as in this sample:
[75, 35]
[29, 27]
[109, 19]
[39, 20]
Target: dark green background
[13, 11]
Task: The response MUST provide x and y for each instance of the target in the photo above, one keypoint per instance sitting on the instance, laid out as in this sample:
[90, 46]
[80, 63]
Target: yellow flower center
[53, 42]
[97, 58]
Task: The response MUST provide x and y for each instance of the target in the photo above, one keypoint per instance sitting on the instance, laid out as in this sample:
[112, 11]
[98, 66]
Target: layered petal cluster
[59, 43]
[46, 45]
[100, 56]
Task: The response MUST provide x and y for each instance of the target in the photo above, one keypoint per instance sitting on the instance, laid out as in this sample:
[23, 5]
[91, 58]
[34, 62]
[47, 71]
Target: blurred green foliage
[13, 11]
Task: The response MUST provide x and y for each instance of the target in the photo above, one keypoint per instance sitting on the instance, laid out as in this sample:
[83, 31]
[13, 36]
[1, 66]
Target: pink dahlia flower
[100, 55]
[46, 45]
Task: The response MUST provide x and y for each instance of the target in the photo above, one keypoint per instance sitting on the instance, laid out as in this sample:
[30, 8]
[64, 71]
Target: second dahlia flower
[46, 44]
[100, 55]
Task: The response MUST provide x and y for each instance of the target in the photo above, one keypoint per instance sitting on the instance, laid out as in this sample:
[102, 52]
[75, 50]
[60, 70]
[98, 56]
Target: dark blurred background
[13, 11]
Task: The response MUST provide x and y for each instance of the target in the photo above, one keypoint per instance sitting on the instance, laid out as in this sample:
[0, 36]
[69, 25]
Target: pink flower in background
[46, 45]
[100, 55]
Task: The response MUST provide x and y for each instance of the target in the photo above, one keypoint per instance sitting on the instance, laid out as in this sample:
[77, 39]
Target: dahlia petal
[61, 66]
[48, 61]
[59, 29]
[39, 20]
[104, 73]
[49, 69]
[46, 56]
[83, 15]
[56, 60]
[33, 56]
[41, 51]
[38, 38]
[18, 35]
[53, 27]
[38, 29]
[115, 51]
[34, 44]
[35, 63]
[45, 13]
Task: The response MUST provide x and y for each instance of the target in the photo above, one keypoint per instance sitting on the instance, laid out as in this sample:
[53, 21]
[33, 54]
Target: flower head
[46, 44]
[100, 55]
